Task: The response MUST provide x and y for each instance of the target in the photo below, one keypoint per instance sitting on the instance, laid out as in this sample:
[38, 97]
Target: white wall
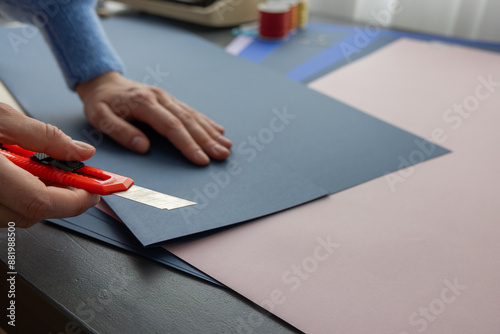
[428, 15]
[336, 8]
[475, 19]
[489, 26]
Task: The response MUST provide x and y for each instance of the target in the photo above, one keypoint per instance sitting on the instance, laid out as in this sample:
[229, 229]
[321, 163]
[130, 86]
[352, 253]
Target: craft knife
[77, 175]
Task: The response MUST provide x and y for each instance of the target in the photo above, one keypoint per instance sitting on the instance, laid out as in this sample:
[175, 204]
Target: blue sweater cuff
[75, 35]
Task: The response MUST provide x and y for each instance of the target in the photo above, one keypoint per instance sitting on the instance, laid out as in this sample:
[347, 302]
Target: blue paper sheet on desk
[98, 225]
[291, 144]
[322, 48]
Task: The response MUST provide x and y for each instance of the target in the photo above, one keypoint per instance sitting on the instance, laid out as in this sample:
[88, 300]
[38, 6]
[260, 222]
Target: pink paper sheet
[420, 256]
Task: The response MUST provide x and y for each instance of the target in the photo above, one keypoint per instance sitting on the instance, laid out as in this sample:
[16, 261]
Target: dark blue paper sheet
[291, 145]
[98, 225]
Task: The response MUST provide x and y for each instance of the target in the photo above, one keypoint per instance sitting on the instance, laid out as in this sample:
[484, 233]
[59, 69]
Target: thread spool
[294, 10]
[303, 14]
[274, 20]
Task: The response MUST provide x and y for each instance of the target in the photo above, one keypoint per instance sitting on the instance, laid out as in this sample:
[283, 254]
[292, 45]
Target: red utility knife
[76, 174]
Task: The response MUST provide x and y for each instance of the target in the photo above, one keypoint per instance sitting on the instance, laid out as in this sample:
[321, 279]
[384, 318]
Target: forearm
[74, 33]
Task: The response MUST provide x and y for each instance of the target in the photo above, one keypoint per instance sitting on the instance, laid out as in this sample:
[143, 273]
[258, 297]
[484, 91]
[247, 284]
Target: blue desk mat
[322, 48]
[98, 225]
[292, 145]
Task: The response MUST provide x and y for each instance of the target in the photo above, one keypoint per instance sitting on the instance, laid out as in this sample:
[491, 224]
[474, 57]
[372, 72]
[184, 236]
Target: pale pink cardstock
[416, 251]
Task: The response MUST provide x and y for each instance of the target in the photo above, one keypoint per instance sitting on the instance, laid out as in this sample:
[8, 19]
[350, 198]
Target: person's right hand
[24, 199]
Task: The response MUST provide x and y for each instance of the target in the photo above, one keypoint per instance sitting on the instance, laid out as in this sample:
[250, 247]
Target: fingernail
[201, 157]
[140, 144]
[95, 199]
[83, 145]
[218, 149]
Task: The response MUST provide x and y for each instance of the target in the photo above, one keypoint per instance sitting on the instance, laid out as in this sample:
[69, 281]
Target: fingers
[213, 129]
[187, 130]
[56, 203]
[68, 202]
[16, 128]
[219, 128]
[106, 120]
[172, 128]
[25, 200]
[214, 132]
[111, 101]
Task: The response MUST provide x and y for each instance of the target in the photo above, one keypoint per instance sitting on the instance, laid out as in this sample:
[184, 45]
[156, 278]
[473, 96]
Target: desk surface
[106, 290]
[70, 283]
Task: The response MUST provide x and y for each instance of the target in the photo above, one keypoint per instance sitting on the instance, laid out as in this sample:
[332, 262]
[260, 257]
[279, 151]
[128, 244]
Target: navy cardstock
[291, 144]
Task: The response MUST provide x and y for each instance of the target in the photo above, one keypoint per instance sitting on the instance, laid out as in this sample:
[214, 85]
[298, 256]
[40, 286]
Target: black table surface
[69, 283]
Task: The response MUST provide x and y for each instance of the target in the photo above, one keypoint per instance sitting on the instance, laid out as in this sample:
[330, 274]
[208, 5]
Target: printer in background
[214, 13]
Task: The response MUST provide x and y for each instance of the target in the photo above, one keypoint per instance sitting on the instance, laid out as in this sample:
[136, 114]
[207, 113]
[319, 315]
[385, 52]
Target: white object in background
[239, 44]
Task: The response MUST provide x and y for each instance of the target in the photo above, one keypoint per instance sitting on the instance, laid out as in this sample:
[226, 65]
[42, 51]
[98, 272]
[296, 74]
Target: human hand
[111, 101]
[24, 199]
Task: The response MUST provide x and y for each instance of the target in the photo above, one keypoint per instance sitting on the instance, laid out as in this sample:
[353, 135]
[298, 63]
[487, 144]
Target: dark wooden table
[67, 283]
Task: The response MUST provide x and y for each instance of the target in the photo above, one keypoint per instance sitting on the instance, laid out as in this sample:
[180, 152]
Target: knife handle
[91, 179]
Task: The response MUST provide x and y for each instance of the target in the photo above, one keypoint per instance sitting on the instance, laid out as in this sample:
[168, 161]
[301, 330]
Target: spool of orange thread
[274, 20]
[294, 13]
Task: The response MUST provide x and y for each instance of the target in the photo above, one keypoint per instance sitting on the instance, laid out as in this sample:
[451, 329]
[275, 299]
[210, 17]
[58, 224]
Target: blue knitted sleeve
[74, 34]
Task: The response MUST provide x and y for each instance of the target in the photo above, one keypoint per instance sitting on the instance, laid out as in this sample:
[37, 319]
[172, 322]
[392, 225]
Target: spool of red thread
[274, 20]
[294, 12]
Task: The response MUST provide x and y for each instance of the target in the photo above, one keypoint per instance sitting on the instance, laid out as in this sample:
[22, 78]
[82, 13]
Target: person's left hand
[112, 101]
